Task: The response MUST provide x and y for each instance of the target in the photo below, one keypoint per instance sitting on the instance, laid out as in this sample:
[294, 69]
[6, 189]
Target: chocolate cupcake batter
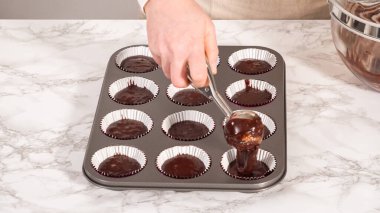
[126, 129]
[260, 169]
[190, 97]
[183, 166]
[118, 166]
[251, 96]
[369, 12]
[188, 130]
[252, 66]
[138, 64]
[133, 95]
[266, 132]
[246, 135]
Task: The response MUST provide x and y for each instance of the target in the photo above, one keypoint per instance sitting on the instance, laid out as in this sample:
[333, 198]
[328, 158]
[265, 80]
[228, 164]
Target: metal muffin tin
[215, 144]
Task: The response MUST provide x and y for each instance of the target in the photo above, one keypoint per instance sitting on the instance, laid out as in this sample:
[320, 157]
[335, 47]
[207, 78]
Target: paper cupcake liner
[133, 51]
[132, 152]
[240, 85]
[180, 150]
[123, 83]
[262, 155]
[252, 53]
[172, 90]
[265, 119]
[126, 114]
[188, 115]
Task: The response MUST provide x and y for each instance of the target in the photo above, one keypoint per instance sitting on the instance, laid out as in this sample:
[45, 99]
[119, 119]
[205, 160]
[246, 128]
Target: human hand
[180, 33]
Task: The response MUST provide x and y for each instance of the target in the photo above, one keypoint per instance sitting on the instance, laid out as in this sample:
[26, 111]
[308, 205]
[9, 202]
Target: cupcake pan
[153, 143]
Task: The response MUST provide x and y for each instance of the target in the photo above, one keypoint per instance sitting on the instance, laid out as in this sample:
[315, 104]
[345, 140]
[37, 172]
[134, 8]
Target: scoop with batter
[244, 130]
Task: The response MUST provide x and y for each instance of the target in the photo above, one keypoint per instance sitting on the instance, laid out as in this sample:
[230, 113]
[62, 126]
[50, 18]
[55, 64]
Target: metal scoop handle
[211, 92]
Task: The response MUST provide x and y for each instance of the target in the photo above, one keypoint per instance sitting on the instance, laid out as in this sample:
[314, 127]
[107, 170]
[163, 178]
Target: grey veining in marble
[50, 78]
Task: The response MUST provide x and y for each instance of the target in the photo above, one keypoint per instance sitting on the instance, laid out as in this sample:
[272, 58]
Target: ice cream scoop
[244, 129]
[212, 93]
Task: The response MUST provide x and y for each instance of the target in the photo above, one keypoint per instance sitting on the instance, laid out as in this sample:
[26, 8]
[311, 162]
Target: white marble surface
[50, 78]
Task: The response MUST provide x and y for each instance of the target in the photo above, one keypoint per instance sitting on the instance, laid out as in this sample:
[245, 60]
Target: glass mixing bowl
[355, 26]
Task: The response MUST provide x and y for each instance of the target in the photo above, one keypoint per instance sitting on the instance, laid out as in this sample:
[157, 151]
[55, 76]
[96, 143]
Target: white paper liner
[132, 152]
[126, 114]
[252, 53]
[188, 115]
[262, 155]
[133, 51]
[123, 83]
[172, 90]
[265, 119]
[240, 85]
[179, 150]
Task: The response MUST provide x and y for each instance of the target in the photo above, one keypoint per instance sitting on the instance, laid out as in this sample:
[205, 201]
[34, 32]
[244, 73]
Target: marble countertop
[50, 78]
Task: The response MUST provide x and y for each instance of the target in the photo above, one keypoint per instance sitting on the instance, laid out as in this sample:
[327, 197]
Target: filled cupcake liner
[180, 150]
[126, 114]
[265, 119]
[141, 82]
[262, 155]
[188, 115]
[240, 85]
[172, 90]
[99, 156]
[133, 51]
[252, 53]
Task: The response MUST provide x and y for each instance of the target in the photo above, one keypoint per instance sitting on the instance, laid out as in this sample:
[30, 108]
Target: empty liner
[264, 156]
[140, 82]
[123, 114]
[181, 151]
[255, 54]
[131, 152]
[188, 133]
